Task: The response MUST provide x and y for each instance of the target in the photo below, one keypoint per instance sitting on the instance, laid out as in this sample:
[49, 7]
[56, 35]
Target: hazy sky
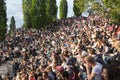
[14, 8]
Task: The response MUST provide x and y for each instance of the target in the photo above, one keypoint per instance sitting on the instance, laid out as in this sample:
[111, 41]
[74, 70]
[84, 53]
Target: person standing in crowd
[45, 76]
[51, 74]
[96, 71]
[32, 75]
[65, 75]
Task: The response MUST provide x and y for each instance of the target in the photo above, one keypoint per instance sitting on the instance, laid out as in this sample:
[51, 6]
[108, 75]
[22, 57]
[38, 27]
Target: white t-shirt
[97, 69]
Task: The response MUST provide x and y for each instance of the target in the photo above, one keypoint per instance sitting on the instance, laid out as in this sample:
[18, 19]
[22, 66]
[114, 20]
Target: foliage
[26, 5]
[79, 6]
[113, 10]
[63, 9]
[110, 8]
[37, 13]
[51, 11]
[3, 20]
[12, 24]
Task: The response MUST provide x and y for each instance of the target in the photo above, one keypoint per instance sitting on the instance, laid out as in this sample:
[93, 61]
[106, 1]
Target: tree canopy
[51, 11]
[26, 5]
[113, 10]
[37, 12]
[12, 24]
[63, 9]
[3, 20]
[78, 7]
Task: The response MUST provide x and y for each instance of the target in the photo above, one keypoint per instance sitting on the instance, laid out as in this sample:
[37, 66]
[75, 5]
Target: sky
[14, 8]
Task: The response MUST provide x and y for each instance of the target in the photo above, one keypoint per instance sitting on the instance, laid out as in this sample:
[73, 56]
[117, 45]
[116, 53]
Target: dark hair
[113, 71]
[115, 62]
[0, 77]
[46, 73]
[40, 74]
[65, 74]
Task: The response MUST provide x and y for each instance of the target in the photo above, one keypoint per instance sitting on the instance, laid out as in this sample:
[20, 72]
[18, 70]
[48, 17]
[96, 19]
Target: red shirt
[32, 78]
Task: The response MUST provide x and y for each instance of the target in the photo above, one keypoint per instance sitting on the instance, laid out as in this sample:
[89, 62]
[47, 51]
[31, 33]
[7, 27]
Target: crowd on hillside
[71, 49]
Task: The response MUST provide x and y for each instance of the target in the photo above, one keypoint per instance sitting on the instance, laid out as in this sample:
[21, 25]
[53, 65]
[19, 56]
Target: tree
[51, 11]
[12, 24]
[38, 13]
[3, 20]
[63, 9]
[78, 7]
[113, 10]
[26, 5]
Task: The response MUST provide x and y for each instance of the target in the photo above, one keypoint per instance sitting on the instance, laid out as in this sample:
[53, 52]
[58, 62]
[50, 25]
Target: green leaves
[110, 7]
[3, 20]
[79, 6]
[113, 7]
[63, 9]
[26, 5]
[51, 11]
[39, 13]
[12, 24]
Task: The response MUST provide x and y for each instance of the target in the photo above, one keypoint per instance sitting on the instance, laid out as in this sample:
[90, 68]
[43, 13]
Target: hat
[59, 68]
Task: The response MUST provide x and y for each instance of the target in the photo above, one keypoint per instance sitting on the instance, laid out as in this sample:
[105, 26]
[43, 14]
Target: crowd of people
[71, 49]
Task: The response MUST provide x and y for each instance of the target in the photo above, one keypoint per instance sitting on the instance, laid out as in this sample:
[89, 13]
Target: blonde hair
[117, 45]
[90, 59]
[49, 69]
